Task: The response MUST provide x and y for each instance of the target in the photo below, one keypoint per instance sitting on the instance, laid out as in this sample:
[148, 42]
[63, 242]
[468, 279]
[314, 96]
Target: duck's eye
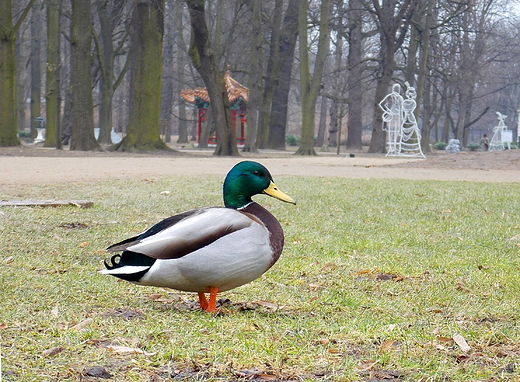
[256, 172]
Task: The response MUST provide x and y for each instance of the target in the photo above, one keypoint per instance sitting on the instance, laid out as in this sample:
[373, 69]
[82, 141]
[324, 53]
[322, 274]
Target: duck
[208, 249]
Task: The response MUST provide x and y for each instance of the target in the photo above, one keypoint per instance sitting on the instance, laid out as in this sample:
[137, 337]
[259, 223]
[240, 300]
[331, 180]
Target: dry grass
[376, 278]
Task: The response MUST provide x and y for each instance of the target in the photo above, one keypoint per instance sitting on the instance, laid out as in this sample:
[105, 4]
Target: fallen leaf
[127, 350]
[461, 341]
[267, 377]
[84, 244]
[82, 324]
[445, 339]
[387, 345]
[165, 300]
[7, 260]
[391, 327]
[323, 341]
[52, 351]
[367, 364]
[165, 192]
[384, 276]
[462, 288]
[97, 372]
[269, 305]
[3, 326]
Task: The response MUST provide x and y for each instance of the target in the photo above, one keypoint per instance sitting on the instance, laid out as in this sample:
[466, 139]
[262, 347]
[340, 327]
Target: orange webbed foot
[202, 301]
[210, 306]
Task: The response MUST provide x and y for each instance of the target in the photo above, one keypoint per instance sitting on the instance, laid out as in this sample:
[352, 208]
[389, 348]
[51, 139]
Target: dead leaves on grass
[378, 276]
[182, 301]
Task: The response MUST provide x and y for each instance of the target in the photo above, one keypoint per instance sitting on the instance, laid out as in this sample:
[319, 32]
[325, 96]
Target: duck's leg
[202, 301]
[212, 306]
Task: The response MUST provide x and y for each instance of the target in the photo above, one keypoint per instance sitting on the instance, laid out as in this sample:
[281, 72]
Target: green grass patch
[376, 278]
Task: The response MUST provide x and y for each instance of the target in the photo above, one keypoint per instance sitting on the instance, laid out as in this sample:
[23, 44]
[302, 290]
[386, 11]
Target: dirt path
[34, 165]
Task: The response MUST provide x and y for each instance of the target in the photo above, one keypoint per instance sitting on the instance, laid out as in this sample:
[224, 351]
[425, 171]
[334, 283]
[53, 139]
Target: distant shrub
[24, 134]
[440, 145]
[292, 140]
[474, 146]
[512, 146]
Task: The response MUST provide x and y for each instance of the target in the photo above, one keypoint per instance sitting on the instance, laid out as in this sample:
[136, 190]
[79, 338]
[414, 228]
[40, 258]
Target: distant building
[238, 97]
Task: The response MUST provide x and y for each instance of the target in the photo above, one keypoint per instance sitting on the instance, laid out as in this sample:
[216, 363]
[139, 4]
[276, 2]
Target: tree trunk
[422, 74]
[334, 124]
[35, 59]
[310, 87]
[52, 79]
[255, 82]
[8, 125]
[281, 75]
[271, 77]
[355, 68]
[205, 62]
[207, 126]
[167, 87]
[181, 46]
[106, 82]
[322, 124]
[145, 55]
[82, 137]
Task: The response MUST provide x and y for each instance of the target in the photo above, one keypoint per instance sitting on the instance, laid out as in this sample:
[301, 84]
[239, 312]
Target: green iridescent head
[250, 178]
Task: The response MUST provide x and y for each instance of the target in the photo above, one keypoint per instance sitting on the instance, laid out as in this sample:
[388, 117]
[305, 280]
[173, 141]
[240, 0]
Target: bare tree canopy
[109, 70]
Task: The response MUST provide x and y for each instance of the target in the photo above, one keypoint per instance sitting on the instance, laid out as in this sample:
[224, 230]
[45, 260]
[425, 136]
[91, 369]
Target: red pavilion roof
[235, 90]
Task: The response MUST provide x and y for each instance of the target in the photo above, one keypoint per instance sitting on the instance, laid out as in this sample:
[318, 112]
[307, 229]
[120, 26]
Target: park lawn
[376, 280]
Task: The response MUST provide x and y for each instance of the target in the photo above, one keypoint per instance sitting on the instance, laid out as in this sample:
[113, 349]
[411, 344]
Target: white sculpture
[392, 106]
[501, 135]
[453, 146]
[402, 132]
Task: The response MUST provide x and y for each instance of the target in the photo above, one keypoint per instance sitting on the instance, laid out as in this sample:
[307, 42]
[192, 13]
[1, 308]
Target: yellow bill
[275, 192]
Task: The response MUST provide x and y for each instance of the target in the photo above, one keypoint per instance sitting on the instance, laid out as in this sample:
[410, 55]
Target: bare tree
[310, 85]
[82, 137]
[143, 131]
[355, 62]
[52, 78]
[392, 19]
[36, 63]
[205, 62]
[8, 125]
[180, 68]
[255, 79]
[109, 14]
[275, 99]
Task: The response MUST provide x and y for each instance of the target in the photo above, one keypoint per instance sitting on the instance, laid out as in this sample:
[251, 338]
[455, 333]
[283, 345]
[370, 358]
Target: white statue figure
[392, 106]
[411, 135]
[497, 143]
[453, 146]
[403, 134]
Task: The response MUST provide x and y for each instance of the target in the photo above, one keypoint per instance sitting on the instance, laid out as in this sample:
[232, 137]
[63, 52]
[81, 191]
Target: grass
[376, 278]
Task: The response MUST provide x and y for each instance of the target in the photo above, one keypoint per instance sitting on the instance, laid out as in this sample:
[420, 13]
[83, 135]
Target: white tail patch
[126, 270]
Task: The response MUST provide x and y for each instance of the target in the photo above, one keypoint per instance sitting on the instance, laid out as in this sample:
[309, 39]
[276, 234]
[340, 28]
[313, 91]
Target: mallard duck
[210, 249]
